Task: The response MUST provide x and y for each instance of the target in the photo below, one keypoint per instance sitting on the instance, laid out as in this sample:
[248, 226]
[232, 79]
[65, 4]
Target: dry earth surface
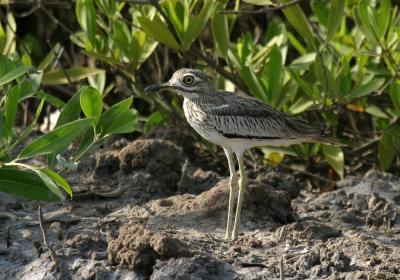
[154, 209]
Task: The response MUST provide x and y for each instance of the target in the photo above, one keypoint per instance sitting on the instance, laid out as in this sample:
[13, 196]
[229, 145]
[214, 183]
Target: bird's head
[190, 83]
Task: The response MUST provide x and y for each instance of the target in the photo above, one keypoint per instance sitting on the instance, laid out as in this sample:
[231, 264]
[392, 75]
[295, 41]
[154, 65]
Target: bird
[236, 123]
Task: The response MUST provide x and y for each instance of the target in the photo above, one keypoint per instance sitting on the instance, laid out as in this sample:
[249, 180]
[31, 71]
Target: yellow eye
[188, 80]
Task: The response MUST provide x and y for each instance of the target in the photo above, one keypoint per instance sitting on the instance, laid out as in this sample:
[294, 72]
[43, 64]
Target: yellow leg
[232, 192]
[242, 186]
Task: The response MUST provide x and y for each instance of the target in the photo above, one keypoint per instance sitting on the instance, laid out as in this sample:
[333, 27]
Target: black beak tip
[152, 88]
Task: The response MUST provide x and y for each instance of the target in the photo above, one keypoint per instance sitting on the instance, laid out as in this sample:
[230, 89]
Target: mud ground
[155, 208]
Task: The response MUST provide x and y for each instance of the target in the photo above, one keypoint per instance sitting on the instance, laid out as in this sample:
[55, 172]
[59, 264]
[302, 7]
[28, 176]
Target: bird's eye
[188, 80]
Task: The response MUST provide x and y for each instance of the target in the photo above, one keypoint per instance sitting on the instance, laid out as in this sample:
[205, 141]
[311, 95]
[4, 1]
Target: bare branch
[45, 240]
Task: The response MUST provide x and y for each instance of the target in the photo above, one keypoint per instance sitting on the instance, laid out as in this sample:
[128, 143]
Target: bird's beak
[161, 87]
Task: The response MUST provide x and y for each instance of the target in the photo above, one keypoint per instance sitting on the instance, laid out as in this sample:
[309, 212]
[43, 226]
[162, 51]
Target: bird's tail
[325, 139]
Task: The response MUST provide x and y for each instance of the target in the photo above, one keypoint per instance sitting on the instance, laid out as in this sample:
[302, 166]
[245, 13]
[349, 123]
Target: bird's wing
[243, 117]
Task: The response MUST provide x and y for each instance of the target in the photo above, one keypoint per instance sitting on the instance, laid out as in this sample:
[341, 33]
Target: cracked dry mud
[150, 210]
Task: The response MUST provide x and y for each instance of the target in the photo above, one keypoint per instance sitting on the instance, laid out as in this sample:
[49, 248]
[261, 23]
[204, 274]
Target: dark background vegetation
[334, 63]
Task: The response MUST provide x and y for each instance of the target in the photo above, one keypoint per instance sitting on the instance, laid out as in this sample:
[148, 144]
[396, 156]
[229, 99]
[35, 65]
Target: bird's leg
[232, 192]
[242, 186]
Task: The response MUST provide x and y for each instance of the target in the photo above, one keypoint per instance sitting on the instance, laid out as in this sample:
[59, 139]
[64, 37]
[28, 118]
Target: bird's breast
[198, 119]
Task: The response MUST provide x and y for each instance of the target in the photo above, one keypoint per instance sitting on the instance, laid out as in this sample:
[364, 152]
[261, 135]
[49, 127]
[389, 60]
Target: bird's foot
[229, 238]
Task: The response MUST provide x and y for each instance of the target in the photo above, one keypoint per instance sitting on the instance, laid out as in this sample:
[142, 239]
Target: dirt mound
[207, 212]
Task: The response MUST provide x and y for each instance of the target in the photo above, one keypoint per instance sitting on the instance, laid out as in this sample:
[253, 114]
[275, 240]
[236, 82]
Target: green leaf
[2, 133]
[153, 120]
[28, 129]
[156, 28]
[58, 180]
[394, 90]
[49, 183]
[321, 11]
[376, 111]
[253, 83]
[71, 110]
[366, 89]
[11, 29]
[362, 18]
[298, 20]
[107, 119]
[14, 74]
[300, 105]
[56, 140]
[383, 17]
[334, 156]
[274, 71]
[86, 144]
[66, 76]
[296, 44]
[122, 37]
[303, 62]
[197, 25]
[6, 65]
[12, 98]
[50, 57]
[125, 122]
[91, 102]
[178, 12]
[28, 86]
[306, 87]
[55, 101]
[25, 184]
[387, 146]
[220, 29]
[335, 17]
[86, 16]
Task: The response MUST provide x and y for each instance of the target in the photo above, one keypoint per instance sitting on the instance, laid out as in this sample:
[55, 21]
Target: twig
[262, 10]
[55, 20]
[57, 57]
[281, 271]
[236, 80]
[45, 240]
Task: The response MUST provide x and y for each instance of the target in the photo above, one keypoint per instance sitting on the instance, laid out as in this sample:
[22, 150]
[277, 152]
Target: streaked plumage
[225, 117]
[236, 123]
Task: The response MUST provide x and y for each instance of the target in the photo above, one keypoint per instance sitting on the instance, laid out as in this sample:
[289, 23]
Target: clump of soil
[155, 165]
[157, 157]
[139, 248]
